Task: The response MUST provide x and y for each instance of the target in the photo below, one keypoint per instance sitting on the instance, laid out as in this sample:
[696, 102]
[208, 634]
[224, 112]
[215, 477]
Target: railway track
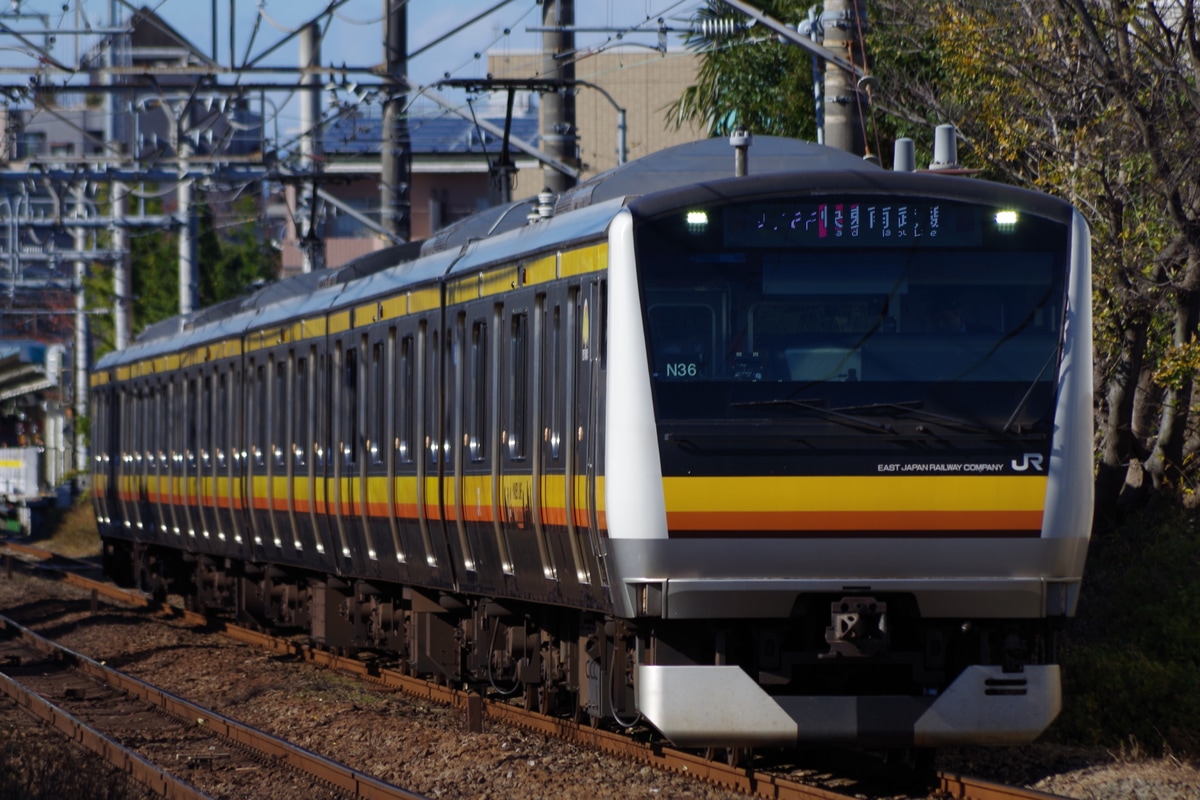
[477, 710]
[101, 708]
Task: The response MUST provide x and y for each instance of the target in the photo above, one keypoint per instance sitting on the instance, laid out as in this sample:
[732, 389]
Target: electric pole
[558, 108]
[396, 156]
[844, 22]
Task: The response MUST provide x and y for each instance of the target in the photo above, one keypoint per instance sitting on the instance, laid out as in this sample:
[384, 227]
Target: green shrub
[1131, 659]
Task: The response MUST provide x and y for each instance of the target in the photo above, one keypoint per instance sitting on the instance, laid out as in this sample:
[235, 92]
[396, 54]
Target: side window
[300, 393]
[477, 387]
[406, 398]
[350, 381]
[376, 401]
[279, 404]
[221, 418]
[518, 386]
[258, 425]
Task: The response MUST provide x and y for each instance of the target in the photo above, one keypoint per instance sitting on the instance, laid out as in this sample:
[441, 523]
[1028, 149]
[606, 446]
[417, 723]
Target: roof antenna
[945, 148]
[740, 141]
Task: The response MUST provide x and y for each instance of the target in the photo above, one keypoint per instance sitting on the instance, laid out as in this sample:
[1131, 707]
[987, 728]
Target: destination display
[853, 223]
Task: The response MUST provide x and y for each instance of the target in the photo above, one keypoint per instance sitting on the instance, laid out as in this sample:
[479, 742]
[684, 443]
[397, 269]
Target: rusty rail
[354, 783]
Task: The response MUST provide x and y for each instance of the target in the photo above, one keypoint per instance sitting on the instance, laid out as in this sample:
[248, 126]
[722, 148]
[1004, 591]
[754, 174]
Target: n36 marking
[682, 369]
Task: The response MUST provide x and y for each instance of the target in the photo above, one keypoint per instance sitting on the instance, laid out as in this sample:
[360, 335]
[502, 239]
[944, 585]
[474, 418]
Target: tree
[231, 259]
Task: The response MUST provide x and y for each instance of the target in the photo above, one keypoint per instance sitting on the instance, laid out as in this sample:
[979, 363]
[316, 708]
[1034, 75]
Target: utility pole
[312, 249]
[844, 23]
[188, 277]
[396, 163]
[558, 108]
[120, 267]
[81, 361]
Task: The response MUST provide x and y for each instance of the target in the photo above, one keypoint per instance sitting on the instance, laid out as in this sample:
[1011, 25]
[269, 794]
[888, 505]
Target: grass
[70, 531]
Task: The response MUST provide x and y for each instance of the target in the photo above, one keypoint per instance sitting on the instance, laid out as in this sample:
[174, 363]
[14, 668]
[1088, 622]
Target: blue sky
[355, 32]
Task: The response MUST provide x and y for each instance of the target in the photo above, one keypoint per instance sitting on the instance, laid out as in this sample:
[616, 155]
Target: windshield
[876, 307]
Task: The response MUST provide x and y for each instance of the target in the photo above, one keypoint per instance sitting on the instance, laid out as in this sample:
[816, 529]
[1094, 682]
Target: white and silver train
[802, 456]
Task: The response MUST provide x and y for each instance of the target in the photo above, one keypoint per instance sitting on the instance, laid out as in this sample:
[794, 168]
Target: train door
[455, 352]
[560, 436]
[576, 396]
[306, 452]
[378, 369]
[187, 453]
[155, 462]
[171, 441]
[345, 382]
[202, 497]
[255, 486]
[388, 413]
[293, 462]
[216, 462]
[430, 462]
[412, 546]
[591, 397]
[233, 408]
[139, 505]
[101, 445]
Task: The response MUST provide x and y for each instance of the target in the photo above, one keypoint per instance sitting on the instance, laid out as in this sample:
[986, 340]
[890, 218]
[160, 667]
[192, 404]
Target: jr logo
[1029, 460]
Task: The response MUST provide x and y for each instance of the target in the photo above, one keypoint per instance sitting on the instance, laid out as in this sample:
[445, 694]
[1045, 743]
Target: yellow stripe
[313, 328]
[339, 322]
[578, 262]
[11, 463]
[541, 271]
[98, 378]
[916, 493]
[498, 281]
[462, 289]
[424, 299]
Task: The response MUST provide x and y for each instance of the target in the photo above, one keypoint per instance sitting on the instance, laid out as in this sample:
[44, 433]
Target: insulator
[723, 27]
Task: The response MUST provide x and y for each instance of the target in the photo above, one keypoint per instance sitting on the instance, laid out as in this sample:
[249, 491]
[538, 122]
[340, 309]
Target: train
[797, 456]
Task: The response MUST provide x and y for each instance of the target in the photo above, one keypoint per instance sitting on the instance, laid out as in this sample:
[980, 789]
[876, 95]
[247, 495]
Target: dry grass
[69, 532]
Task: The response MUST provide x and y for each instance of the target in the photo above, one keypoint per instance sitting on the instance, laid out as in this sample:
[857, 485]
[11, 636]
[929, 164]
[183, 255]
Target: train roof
[695, 172]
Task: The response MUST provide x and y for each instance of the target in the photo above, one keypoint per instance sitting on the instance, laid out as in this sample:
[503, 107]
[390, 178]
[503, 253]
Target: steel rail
[123, 758]
[345, 779]
[749, 781]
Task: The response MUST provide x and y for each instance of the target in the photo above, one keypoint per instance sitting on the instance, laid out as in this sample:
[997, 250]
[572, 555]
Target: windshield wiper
[913, 408]
[1029, 392]
[830, 414]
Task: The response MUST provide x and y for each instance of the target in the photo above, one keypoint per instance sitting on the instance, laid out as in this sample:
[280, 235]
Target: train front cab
[822, 556]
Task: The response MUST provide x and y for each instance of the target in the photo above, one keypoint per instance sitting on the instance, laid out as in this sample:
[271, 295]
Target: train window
[683, 340]
[204, 421]
[552, 377]
[258, 425]
[478, 392]
[221, 419]
[518, 385]
[432, 431]
[376, 400]
[323, 434]
[405, 398]
[350, 406]
[300, 420]
[278, 408]
[190, 445]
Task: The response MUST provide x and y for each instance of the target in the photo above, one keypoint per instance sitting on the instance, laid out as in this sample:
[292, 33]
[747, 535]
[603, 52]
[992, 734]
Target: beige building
[642, 82]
